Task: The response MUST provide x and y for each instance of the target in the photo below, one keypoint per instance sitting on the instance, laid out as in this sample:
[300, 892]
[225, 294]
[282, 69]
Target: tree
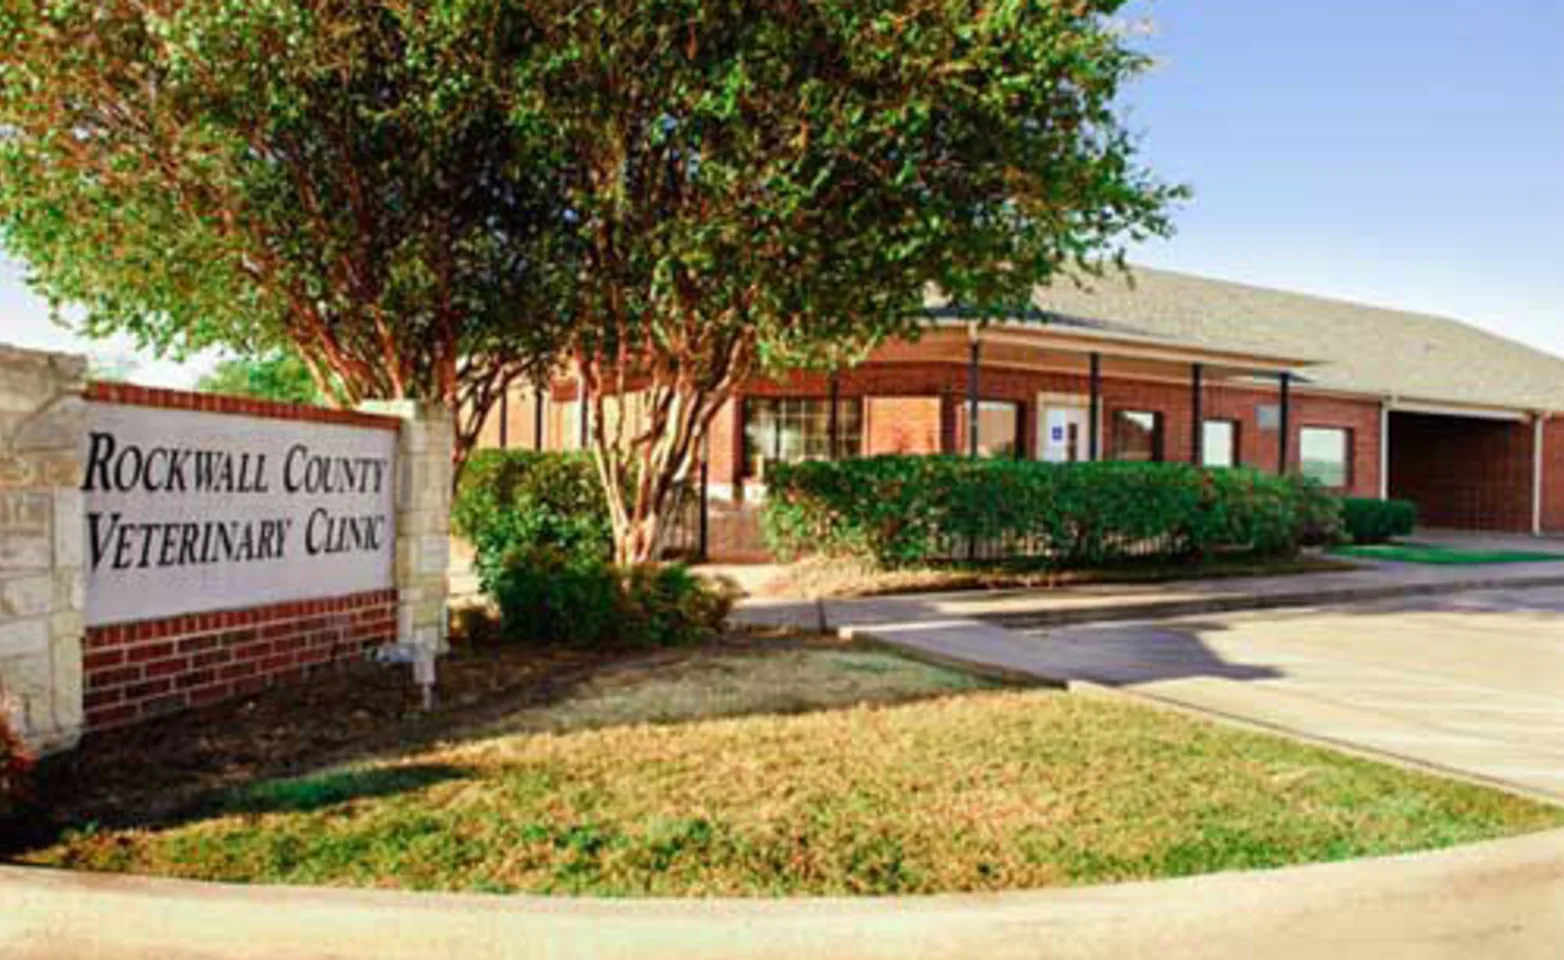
[338, 177]
[278, 375]
[662, 197]
[756, 184]
[110, 368]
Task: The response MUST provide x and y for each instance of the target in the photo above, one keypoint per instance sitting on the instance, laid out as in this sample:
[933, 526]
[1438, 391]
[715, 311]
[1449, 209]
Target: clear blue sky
[1408, 153]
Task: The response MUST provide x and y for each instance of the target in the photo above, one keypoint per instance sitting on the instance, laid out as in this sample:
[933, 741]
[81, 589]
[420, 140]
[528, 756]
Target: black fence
[1042, 551]
[684, 536]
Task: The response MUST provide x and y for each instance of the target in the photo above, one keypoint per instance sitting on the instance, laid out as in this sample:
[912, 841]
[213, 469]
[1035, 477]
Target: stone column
[42, 583]
[423, 523]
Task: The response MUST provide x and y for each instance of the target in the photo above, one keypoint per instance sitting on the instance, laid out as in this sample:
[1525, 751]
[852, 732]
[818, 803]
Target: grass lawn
[815, 770]
[845, 579]
[1431, 553]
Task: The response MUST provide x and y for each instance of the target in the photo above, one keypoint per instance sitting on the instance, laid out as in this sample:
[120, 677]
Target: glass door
[1063, 431]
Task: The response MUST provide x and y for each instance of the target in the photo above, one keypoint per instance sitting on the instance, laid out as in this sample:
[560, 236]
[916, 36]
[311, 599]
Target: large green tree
[338, 177]
[757, 184]
[277, 375]
[663, 197]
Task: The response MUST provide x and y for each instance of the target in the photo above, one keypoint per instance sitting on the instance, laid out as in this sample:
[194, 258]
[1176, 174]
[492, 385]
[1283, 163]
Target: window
[999, 428]
[1219, 443]
[790, 429]
[1137, 435]
[1325, 453]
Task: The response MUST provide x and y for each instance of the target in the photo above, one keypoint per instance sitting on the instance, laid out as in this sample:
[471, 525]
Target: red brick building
[1170, 367]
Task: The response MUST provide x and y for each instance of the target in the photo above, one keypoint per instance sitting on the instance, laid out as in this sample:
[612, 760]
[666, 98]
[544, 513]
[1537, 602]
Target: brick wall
[1553, 477]
[1463, 472]
[140, 670]
[948, 383]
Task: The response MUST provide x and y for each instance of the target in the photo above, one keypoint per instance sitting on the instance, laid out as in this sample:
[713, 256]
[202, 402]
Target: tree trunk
[638, 544]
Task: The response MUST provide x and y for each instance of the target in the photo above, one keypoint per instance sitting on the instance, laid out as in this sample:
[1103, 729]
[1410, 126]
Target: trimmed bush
[516, 500]
[539, 523]
[909, 511]
[1378, 521]
[16, 764]
[549, 596]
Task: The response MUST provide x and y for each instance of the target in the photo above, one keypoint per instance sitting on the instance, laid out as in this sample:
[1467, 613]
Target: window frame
[1349, 450]
[964, 410]
[747, 469]
[1237, 428]
[1158, 434]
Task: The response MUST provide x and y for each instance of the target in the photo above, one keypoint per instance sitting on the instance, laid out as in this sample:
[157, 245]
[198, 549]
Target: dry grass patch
[823, 674]
[845, 579]
[629, 793]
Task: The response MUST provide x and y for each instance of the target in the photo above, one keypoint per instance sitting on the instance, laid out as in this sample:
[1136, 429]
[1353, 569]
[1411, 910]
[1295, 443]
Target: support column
[43, 423]
[1197, 429]
[1538, 471]
[1094, 429]
[537, 418]
[1384, 449]
[423, 524]
[973, 364]
[584, 415]
[1284, 443]
[834, 423]
[505, 419]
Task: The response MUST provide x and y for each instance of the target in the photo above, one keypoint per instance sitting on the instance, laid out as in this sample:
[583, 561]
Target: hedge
[904, 511]
[1378, 521]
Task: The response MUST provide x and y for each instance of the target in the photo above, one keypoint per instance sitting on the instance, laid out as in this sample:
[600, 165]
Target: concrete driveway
[1470, 683]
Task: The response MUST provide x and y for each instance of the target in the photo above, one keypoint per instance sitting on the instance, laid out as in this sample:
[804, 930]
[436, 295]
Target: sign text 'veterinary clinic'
[189, 511]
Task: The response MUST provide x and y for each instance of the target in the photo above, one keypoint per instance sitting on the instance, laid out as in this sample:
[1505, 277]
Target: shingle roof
[1361, 349]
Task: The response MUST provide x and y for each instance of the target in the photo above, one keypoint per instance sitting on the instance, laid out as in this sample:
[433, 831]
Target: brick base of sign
[141, 670]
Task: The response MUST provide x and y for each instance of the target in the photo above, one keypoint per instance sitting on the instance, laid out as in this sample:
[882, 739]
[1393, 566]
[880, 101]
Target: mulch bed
[159, 769]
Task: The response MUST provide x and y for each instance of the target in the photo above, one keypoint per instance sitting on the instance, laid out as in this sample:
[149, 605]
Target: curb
[1501, 898]
[1239, 603]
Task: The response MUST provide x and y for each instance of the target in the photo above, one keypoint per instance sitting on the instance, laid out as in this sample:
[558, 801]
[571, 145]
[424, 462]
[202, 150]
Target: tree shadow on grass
[332, 787]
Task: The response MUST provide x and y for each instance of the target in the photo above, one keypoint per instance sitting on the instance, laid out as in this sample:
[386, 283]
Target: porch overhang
[1069, 350]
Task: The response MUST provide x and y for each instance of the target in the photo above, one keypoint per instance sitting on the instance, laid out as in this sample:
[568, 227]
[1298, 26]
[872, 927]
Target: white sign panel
[190, 511]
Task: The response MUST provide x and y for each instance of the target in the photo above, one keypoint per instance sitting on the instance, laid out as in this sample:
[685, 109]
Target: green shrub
[549, 596]
[906, 511]
[668, 606]
[16, 764]
[510, 500]
[1378, 521]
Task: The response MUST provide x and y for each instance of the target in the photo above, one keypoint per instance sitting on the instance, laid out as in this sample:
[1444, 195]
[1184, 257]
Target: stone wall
[59, 679]
[423, 522]
[41, 580]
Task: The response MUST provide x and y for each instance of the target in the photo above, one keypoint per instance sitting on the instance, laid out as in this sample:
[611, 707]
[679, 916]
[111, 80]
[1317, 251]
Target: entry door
[1063, 430]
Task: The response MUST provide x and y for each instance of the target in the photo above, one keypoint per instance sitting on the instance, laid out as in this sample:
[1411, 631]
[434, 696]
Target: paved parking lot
[1472, 683]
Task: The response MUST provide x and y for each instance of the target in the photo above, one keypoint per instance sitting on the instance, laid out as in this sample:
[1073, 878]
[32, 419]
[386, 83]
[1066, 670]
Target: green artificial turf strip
[1444, 556]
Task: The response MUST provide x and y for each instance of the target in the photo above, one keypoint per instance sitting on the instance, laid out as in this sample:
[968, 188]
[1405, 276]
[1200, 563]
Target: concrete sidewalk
[1467, 684]
[1500, 900]
[1033, 608]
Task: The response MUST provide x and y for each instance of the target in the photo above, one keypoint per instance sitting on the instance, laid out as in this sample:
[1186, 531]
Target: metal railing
[684, 535]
